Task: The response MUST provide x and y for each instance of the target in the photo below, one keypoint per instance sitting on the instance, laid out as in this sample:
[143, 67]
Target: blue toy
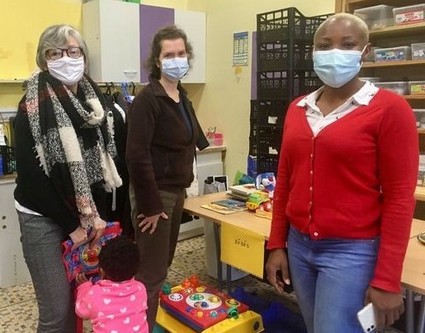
[277, 318]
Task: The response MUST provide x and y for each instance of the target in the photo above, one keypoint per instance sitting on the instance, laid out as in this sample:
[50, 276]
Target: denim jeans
[330, 278]
[41, 243]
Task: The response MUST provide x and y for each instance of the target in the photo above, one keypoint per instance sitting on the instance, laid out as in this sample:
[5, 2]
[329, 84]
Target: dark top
[160, 152]
[35, 189]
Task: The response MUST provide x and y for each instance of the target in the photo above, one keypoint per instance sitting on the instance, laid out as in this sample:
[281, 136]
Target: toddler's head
[118, 259]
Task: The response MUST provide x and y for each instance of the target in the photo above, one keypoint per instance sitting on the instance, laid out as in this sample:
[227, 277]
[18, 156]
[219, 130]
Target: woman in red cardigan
[344, 197]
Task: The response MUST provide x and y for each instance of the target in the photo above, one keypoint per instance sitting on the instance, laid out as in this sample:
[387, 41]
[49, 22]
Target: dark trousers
[41, 241]
[157, 249]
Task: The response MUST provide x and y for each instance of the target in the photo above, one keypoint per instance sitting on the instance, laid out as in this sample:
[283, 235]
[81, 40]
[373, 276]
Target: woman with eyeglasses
[64, 156]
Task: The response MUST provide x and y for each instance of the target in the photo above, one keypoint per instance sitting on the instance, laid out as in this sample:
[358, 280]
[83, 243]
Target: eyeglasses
[72, 52]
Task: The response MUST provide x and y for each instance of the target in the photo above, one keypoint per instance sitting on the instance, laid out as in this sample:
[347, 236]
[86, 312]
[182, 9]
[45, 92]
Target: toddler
[117, 302]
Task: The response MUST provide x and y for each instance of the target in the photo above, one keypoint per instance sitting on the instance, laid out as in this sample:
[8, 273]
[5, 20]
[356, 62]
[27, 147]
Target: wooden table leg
[218, 255]
[421, 321]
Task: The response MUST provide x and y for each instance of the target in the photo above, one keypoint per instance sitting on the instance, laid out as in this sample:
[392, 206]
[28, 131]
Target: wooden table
[420, 193]
[243, 219]
[413, 276]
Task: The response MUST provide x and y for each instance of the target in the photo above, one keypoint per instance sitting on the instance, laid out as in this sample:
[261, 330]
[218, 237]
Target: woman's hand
[150, 222]
[278, 261]
[79, 237]
[388, 306]
[81, 278]
[97, 231]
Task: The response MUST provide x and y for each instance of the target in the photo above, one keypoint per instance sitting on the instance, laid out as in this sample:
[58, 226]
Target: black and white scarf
[73, 141]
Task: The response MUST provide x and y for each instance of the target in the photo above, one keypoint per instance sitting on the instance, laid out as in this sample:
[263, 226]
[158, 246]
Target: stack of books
[241, 192]
[226, 206]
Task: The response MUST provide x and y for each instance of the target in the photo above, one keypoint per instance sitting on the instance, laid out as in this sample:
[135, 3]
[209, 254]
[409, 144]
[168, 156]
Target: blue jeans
[330, 278]
[41, 243]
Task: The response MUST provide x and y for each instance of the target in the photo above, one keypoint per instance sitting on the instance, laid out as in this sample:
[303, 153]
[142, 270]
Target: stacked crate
[284, 71]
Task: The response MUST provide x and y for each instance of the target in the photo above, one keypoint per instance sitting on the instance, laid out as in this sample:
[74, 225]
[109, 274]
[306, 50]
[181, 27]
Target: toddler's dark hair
[119, 258]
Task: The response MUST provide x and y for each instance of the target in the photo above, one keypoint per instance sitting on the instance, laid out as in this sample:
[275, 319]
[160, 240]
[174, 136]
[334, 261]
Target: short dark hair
[119, 258]
[168, 33]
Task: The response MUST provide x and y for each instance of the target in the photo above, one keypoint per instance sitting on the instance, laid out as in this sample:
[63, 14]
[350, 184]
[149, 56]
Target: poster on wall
[240, 49]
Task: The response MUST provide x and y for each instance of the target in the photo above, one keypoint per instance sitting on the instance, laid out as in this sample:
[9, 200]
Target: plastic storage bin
[376, 17]
[418, 51]
[286, 83]
[393, 53]
[371, 56]
[409, 14]
[420, 118]
[399, 87]
[417, 87]
[284, 24]
[421, 173]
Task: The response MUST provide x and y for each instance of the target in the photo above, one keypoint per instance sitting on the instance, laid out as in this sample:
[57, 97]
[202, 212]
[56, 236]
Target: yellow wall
[223, 102]
[21, 23]
[177, 4]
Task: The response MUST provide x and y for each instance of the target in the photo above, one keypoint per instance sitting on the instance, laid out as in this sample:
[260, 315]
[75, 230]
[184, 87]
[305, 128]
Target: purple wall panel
[254, 66]
[152, 19]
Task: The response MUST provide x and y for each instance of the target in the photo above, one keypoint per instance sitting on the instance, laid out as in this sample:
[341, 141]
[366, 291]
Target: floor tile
[19, 317]
[190, 245]
[16, 294]
[18, 308]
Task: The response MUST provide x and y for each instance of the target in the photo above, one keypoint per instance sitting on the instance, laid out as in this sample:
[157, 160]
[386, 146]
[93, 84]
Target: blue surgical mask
[175, 68]
[337, 67]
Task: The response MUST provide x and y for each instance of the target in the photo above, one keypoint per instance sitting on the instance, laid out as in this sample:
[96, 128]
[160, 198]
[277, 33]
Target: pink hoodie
[118, 307]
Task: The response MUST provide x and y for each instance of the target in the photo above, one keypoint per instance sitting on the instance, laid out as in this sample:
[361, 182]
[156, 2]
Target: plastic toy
[276, 317]
[266, 182]
[256, 199]
[83, 259]
[200, 306]
[247, 322]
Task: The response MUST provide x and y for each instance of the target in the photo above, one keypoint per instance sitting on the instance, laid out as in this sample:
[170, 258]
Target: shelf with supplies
[414, 97]
[398, 63]
[408, 29]
[350, 5]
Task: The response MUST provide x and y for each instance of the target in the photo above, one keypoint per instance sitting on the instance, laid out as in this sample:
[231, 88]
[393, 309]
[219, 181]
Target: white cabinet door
[112, 32]
[194, 24]
[13, 270]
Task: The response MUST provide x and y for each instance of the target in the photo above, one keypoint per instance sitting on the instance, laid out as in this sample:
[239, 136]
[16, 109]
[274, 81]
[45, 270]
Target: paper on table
[221, 207]
[243, 249]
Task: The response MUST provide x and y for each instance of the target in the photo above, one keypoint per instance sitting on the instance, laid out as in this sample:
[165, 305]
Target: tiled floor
[18, 308]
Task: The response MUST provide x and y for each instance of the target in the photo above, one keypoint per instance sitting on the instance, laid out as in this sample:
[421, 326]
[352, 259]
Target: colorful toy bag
[83, 259]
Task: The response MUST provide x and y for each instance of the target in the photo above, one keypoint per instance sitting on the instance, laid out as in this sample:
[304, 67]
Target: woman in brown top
[163, 133]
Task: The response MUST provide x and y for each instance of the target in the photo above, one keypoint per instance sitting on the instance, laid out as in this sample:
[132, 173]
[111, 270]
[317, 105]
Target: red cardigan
[355, 179]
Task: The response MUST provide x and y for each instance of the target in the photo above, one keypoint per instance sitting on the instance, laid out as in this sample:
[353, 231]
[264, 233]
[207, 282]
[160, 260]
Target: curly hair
[168, 33]
[119, 258]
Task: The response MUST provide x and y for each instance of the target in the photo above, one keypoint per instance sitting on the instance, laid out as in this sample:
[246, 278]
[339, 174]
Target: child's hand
[81, 278]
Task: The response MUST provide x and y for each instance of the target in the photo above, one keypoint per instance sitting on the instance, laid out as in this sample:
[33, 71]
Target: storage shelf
[421, 130]
[398, 30]
[20, 81]
[402, 63]
[415, 97]
[355, 4]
